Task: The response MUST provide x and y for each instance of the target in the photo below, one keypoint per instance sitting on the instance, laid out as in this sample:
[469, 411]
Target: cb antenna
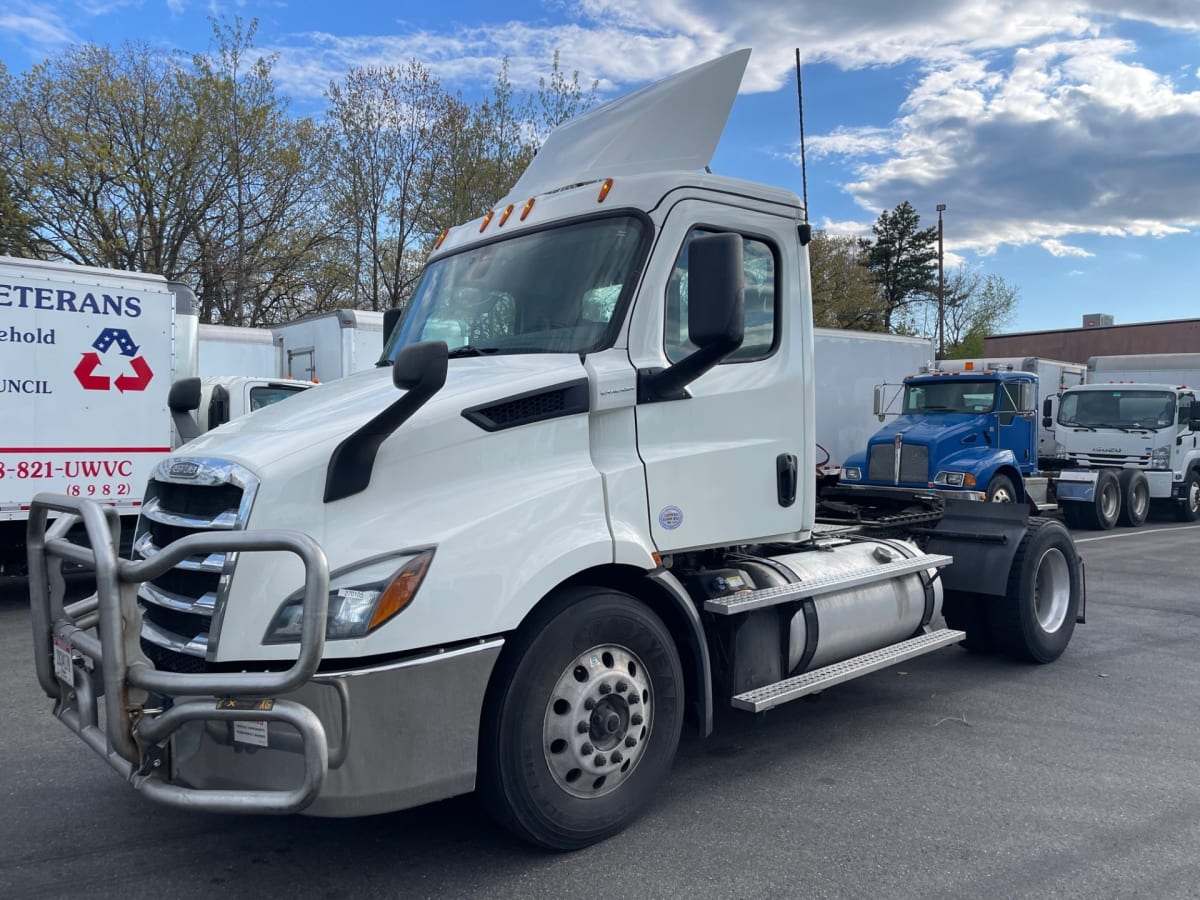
[805, 228]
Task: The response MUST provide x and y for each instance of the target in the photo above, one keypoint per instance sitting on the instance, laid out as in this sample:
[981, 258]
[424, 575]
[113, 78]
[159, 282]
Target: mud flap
[983, 539]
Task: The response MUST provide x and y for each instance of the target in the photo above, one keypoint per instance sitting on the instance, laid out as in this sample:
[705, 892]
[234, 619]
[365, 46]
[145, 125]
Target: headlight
[1161, 457]
[360, 599]
[955, 479]
[851, 473]
[1060, 451]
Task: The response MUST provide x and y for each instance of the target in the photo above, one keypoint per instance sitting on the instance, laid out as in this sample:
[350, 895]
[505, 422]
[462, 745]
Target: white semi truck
[1128, 440]
[518, 563]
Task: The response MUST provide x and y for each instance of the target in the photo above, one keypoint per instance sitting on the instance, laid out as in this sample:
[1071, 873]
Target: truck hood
[941, 433]
[316, 419]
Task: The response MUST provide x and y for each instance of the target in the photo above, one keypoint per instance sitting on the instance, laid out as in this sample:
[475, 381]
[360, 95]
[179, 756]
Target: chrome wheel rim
[597, 721]
[1109, 502]
[1002, 495]
[1139, 502]
[1052, 590]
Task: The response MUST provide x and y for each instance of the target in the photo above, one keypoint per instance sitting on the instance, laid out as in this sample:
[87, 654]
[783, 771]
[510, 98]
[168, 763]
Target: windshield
[552, 291]
[1117, 408]
[949, 396]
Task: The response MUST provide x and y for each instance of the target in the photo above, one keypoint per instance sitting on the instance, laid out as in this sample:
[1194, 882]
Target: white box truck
[519, 565]
[330, 345]
[238, 350]
[87, 358]
[1054, 377]
[851, 365]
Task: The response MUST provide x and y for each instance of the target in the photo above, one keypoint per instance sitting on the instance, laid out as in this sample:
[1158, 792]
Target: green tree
[901, 263]
[843, 294]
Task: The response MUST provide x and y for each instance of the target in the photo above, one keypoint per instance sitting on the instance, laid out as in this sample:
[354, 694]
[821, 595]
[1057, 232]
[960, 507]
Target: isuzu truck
[573, 511]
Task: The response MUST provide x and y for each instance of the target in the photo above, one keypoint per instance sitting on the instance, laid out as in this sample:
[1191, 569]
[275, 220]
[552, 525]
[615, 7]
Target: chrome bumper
[900, 491]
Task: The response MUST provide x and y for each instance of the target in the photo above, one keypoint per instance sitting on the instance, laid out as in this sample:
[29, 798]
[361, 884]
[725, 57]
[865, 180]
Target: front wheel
[1104, 510]
[585, 720]
[1035, 619]
[1001, 490]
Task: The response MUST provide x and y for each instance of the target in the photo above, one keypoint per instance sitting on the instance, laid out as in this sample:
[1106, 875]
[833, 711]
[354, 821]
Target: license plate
[63, 667]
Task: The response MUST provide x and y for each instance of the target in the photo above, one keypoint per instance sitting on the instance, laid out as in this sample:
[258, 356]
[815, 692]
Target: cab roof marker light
[604, 189]
[441, 238]
[504, 218]
[528, 207]
[486, 220]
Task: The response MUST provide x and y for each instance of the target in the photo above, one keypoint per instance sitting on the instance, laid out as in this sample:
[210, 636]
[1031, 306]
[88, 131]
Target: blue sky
[1062, 135]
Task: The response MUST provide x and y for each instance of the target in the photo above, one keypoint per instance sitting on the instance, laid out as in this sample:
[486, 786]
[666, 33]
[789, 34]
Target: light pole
[941, 208]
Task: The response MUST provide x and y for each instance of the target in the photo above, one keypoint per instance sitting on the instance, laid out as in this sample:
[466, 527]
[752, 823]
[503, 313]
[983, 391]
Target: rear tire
[1035, 619]
[1104, 510]
[1188, 509]
[597, 660]
[1135, 497]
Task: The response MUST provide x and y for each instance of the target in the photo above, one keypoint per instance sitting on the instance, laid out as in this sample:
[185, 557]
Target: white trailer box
[848, 365]
[87, 357]
[235, 350]
[1054, 377]
[1180, 369]
[330, 345]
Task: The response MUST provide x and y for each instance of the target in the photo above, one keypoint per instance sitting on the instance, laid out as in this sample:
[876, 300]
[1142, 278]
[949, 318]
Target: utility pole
[941, 208]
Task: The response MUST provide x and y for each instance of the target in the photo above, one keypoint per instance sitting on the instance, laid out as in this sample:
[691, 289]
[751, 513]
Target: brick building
[1079, 344]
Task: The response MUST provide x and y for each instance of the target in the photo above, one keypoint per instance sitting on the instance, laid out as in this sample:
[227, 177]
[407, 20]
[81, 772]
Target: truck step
[773, 695]
[825, 584]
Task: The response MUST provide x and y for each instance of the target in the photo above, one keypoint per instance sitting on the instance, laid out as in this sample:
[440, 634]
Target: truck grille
[182, 608]
[1115, 460]
[914, 463]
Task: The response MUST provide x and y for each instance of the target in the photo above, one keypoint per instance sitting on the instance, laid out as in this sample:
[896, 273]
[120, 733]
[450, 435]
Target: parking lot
[949, 776]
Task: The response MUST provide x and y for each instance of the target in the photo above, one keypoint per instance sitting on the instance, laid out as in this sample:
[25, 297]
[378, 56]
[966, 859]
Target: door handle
[787, 469]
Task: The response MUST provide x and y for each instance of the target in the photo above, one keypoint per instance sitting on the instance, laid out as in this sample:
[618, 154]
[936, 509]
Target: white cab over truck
[1129, 440]
[519, 559]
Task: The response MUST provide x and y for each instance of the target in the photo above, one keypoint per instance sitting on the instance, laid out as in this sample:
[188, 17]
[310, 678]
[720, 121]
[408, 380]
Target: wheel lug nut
[633, 698]
[589, 704]
[605, 688]
[631, 741]
[636, 719]
[617, 757]
[582, 727]
[622, 687]
[600, 760]
[586, 749]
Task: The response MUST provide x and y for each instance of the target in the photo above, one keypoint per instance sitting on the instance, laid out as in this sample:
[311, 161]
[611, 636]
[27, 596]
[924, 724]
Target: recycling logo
[85, 371]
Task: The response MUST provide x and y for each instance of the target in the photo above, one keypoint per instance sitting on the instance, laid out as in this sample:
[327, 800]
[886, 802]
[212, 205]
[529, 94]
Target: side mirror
[880, 403]
[716, 316]
[182, 400]
[1047, 409]
[421, 367]
[420, 371]
[1047, 421]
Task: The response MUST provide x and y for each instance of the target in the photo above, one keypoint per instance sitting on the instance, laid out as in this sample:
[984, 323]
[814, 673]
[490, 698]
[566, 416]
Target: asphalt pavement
[949, 776]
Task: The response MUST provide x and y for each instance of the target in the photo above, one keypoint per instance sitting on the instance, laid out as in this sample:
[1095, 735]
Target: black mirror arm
[655, 385]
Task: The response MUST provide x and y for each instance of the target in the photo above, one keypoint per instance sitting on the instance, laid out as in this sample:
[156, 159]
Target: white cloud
[177, 7]
[37, 25]
[1058, 248]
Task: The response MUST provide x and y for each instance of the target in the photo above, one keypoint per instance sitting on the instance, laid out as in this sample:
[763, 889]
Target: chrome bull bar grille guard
[104, 628]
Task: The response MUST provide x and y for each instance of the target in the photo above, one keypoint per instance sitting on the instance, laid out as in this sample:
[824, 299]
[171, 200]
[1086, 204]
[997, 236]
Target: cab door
[718, 461]
[1017, 420]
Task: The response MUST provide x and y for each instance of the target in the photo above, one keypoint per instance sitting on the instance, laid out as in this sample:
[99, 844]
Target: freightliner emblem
[184, 470]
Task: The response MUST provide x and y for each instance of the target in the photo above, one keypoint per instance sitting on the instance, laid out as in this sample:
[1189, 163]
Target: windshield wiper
[1111, 425]
[468, 350]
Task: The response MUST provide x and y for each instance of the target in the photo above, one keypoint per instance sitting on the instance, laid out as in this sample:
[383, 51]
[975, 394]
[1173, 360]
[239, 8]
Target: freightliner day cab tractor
[521, 554]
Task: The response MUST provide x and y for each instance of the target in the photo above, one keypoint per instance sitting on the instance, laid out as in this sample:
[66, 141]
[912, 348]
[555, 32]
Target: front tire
[584, 721]
[1135, 497]
[1001, 490]
[1035, 619]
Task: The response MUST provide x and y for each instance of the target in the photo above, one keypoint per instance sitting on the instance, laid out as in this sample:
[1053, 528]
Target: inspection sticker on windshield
[253, 732]
[63, 667]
